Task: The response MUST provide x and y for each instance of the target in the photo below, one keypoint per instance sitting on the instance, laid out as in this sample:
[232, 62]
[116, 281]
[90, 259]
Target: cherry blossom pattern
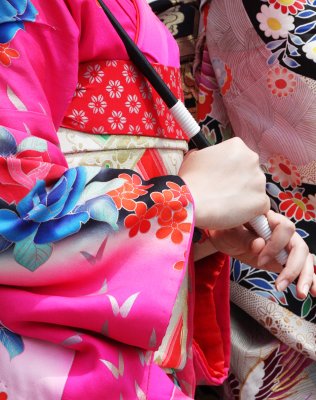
[133, 104]
[173, 79]
[140, 221]
[99, 130]
[145, 90]
[175, 227]
[80, 90]
[111, 63]
[115, 89]
[159, 106]
[180, 193]
[148, 120]
[94, 73]
[170, 123]
[134, 130]
[288, 6]
[79, 118]
[129, 73]
[125, 196]
[97, 104]
[281, 81]
[7, 53]
[283, 171]
[295, 205]
[168, 209]
[120, 107]
[166, 203]
[171, 212]
[117, 120]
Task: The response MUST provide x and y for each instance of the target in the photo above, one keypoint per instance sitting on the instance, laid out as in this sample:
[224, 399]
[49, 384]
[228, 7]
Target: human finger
[236, 241]
[298, 254]
[282, 231]
[313, 287]
[305, 280]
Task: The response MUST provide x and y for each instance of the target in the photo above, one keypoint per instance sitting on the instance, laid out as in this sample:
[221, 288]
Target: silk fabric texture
[257, 81]
[89, 285]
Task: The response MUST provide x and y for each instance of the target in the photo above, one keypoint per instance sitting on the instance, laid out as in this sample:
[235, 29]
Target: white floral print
[274, 23]
[94, 73]
[148, 120]
[80, 90]
[129, 73]
[115, 89]
[310, 50]
[170, 123]
[117, 120]
[160, 106]
[79, 118]
[97, 104]
[134, 130]
[133, 104]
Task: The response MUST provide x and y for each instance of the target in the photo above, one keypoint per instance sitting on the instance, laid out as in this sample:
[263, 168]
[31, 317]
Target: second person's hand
[227, 184]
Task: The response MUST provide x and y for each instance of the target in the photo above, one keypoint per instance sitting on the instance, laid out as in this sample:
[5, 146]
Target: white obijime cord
[192, 129]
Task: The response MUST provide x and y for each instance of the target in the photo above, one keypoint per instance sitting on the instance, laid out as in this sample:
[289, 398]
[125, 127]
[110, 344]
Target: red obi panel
[113, 97]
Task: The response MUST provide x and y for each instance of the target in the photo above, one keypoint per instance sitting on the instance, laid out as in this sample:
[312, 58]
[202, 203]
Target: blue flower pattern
[47, 215]
[13, 15]
[289, 51]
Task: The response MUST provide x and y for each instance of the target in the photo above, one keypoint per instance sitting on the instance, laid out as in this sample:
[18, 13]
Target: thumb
[237, 241]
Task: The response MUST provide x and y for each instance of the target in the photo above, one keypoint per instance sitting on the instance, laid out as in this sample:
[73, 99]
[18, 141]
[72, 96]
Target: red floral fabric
[113, 97]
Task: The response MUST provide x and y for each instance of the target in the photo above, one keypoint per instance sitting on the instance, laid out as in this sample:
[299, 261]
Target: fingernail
[263, 261]
[281, 286]
[305, 289]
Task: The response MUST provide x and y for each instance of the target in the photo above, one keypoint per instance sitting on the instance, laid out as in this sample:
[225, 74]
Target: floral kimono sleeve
[88, 257]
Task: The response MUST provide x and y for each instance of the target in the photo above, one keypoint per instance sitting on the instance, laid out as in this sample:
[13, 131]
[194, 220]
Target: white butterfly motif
[140, 394]
[125, 308]
[15, 100]
[116, 371]
[145, 357]
[72, 340]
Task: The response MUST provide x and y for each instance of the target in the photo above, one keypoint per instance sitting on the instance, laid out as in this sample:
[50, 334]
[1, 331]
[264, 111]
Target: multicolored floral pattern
[14, 14]
[92, 302]
[289, 6]
[46, 215]
[287, 28]
[19, 177]
[263, 285]
[271, 107]
[168, 209]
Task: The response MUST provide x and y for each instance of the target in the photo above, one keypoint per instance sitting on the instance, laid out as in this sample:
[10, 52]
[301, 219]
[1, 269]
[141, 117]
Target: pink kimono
[257, 81]
[97, 289]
